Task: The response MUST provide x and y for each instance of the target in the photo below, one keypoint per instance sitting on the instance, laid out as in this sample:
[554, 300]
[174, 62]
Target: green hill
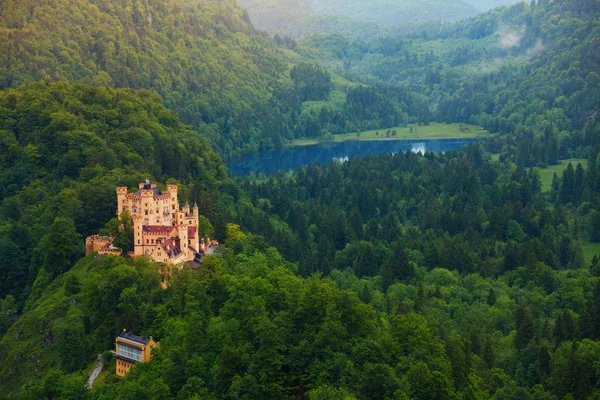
[63, 148]
[529, 71]
[203, 57]
[233, 84]
[357, 19]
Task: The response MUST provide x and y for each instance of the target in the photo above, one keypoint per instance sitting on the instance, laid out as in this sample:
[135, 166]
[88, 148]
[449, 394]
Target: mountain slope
[529, 70]
[395, 12]
[356, 19]
[203, 57]
[63, 149]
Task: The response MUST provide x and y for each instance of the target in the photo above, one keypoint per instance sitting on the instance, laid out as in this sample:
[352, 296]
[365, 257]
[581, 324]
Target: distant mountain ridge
[301, 18]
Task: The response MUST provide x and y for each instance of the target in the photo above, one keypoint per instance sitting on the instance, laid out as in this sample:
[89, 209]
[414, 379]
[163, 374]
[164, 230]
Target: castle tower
[172, 189]
[195, 210]
[121, 198]
[182, 232]
[138, 239]
[186, 209]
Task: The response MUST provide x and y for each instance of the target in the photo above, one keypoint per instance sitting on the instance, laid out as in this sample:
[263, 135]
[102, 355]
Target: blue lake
[295, 157]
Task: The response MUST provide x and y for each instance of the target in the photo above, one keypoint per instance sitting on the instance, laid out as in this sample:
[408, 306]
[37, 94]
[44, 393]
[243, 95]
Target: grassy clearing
[431, 131]
[589, 250]
[547, 173]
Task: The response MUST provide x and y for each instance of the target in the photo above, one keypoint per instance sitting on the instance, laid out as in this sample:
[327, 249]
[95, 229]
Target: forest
[462, 275]
[357, 19]
[529, 72]
[208, 63]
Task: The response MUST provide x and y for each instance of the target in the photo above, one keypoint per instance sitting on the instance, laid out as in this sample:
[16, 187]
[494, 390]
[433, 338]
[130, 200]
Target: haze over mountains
[300, 18]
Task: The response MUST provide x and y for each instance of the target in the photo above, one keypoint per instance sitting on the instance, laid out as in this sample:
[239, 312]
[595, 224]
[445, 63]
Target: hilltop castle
[161, 229]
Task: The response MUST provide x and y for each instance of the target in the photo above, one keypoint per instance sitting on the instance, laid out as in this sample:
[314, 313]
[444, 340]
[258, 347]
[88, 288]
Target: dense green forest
[453, 275]
[473, 246]
[357, 19]
[529, 71]
[63, 148]
[443, 276]
[227, 80]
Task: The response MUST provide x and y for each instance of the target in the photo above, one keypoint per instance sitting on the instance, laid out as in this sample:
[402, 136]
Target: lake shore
[425, 132]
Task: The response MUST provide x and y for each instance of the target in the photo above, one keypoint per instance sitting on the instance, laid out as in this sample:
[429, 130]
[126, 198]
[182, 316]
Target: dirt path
[96, 371]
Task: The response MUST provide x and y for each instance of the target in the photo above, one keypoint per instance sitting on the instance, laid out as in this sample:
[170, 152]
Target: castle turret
[121, 200]
[138, 239]
[186, 208]
[172, 189]
[195, 210]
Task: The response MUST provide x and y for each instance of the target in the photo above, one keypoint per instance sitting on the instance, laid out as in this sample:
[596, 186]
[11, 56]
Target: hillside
[231, 83]
[458, 275]
[357, 19]
[395, 12]
[63, 148]
[203, 57]
[527, 70]
[497, 288]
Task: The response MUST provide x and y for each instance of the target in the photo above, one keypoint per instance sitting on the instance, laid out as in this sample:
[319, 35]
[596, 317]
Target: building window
[146, 221]
[138, 241]
[134, 209]
[146, 212]
[130, 352]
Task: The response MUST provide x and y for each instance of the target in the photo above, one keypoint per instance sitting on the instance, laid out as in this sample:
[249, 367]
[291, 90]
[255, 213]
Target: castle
[161, 229]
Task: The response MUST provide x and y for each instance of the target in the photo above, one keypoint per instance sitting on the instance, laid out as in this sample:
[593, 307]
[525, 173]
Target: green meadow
[547, 173]
[431, 131]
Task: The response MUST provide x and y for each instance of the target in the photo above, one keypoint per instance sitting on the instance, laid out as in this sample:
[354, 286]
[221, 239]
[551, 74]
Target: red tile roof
[171, 247]
[158, 229]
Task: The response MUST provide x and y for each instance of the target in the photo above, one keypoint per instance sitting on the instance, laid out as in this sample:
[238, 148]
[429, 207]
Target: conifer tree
[491, 299]
[525, 327]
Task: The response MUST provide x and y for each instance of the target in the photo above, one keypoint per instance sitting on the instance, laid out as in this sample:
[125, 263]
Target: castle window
[146, 221]
[138, 241]
[134, 209]
[147, 241]
[173, 207]
[157, 220]
[146, 212]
